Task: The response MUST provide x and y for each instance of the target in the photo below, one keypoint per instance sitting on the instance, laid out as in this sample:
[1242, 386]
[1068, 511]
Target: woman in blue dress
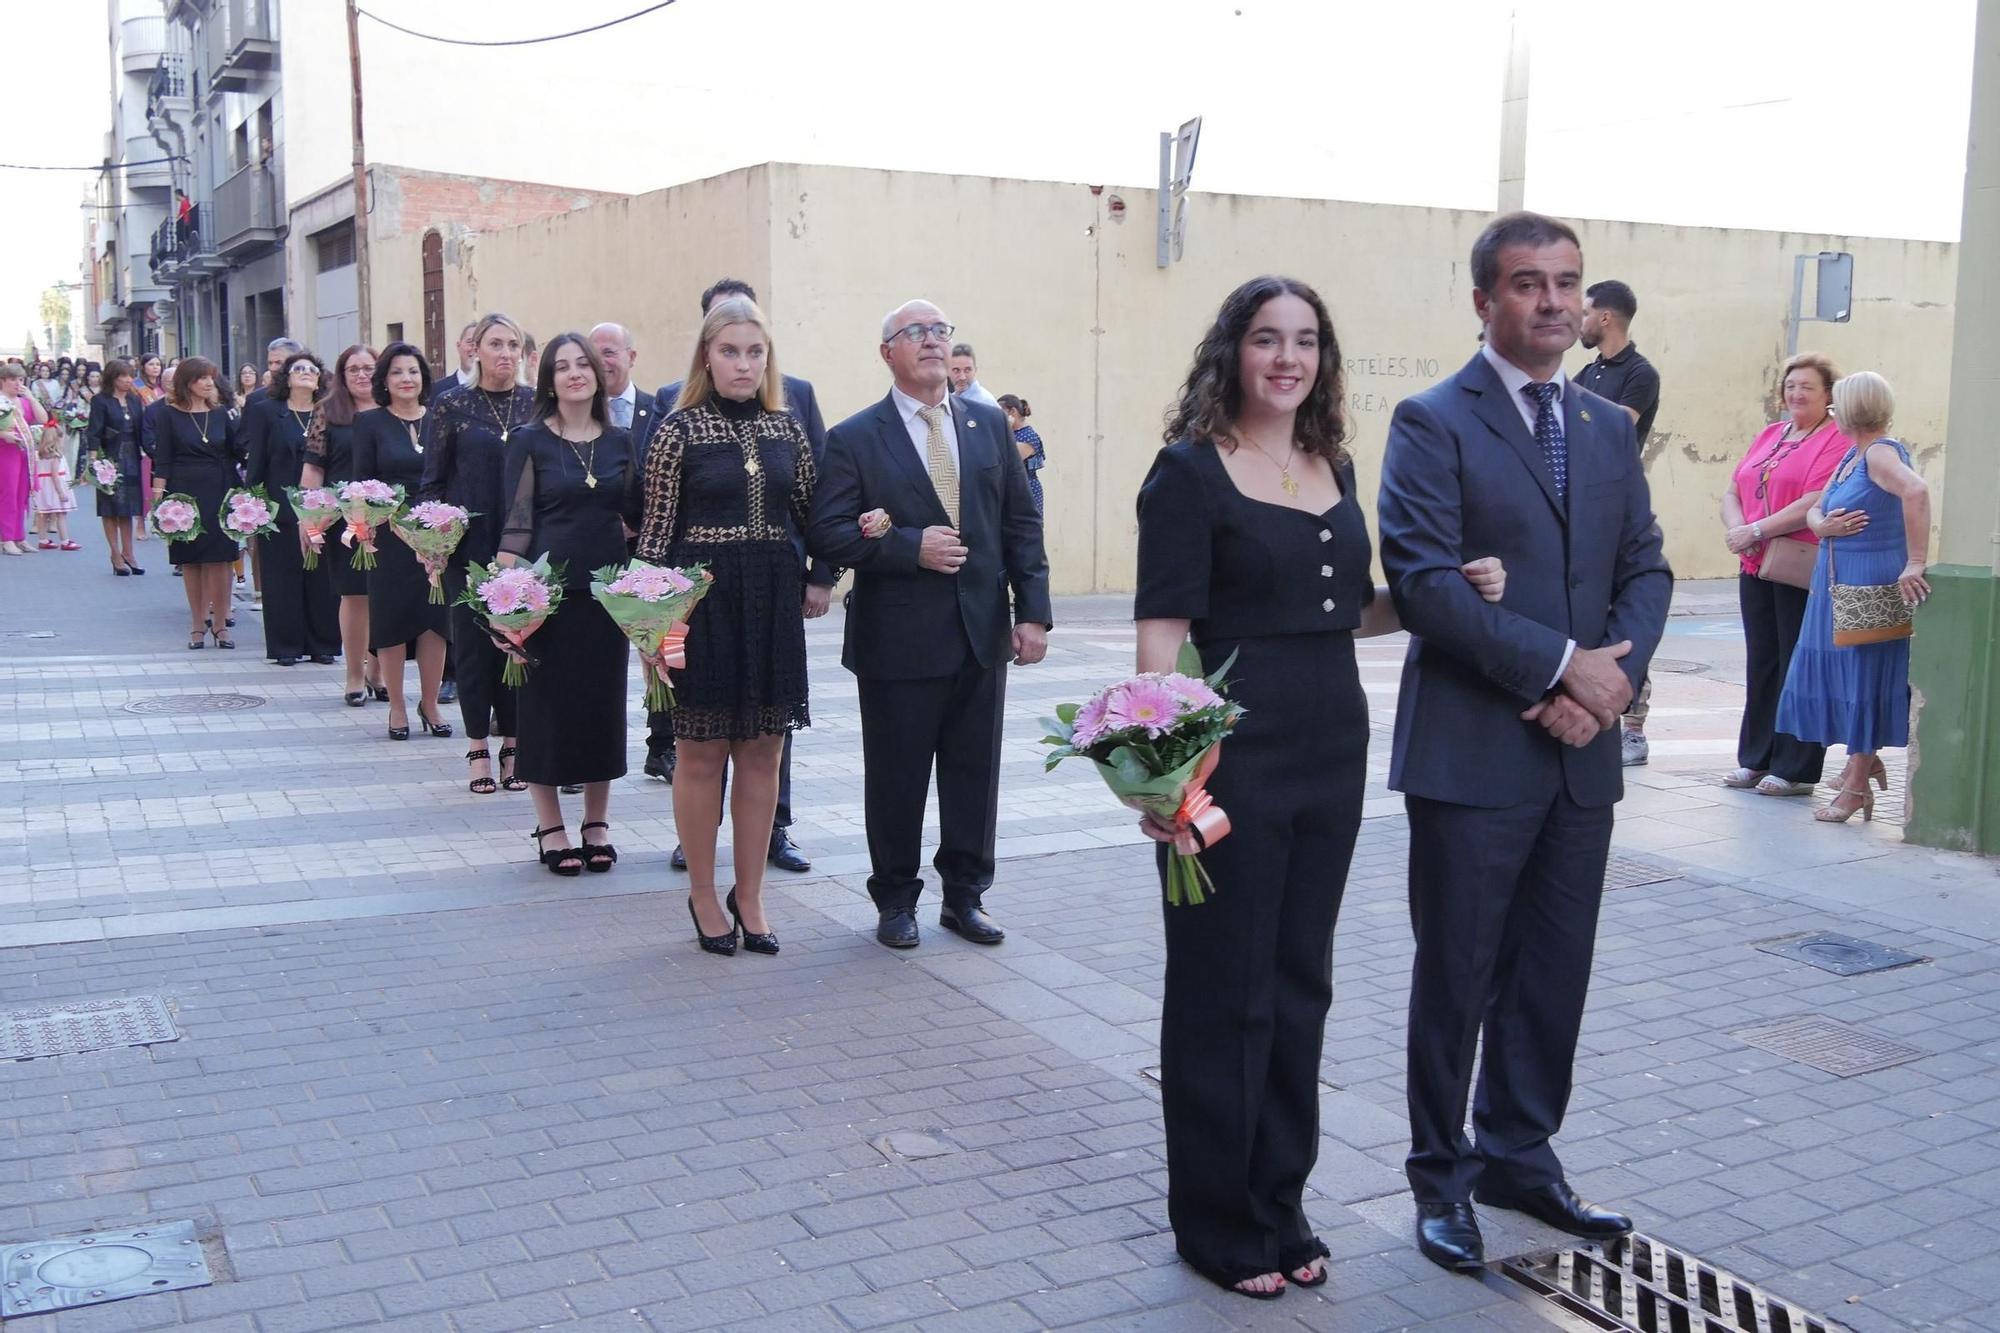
[1026, 442]
[1874, 526]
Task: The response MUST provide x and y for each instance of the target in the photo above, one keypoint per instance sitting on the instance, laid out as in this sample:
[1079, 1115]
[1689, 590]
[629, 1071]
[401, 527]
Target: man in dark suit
[467, 371]
[1505, 747]
[801, 402]
[274, 366]
[930, 628]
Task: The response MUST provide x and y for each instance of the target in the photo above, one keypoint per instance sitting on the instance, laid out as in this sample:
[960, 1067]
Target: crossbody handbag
[1866, 612]
[1789, 561]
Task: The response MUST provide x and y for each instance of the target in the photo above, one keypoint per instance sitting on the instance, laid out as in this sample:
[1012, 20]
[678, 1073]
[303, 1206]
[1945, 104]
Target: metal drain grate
[1677, 666]
[195, 703]
[85, 1025]
[1827, 1044]
[70, 1271]
[1640, 1283]
[1842, 955]
[1622, 872]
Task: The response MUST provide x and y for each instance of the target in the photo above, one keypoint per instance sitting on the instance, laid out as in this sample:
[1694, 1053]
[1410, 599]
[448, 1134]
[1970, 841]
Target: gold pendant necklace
[1285, 481]
[201, 427]
[590, 464]
[751, 464]
[507, 426]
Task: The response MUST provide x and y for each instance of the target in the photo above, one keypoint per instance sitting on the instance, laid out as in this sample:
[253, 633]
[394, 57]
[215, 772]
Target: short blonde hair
[1829, 374]
[1863, 401]
[699, 386]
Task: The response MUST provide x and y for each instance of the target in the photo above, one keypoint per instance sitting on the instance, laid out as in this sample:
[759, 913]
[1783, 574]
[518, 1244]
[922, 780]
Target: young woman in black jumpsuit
[301, 618]
[475, 424]
[1252, 538]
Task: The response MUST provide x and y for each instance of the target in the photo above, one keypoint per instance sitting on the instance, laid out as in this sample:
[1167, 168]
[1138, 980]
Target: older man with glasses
[950, 583]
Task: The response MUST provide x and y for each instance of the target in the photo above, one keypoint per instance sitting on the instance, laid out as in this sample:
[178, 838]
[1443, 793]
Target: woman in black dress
[729, 478]
[389, 444]
[196, 449]
[114, 433]
[300, 619]
[1251, 536]
[473, 429]
[330, 460]
[572, 487]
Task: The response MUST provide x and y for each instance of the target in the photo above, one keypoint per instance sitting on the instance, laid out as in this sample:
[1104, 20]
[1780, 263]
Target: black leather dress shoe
[448, 692]
[1558, 1206]
[660, 767]
[319, 659]
[785, 853]
[1448, 1234]
[973, 923]
[570, 789]
[898, 928]
[288, 661]
[678, 860]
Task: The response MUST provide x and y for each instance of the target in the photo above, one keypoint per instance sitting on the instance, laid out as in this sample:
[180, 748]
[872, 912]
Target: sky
[1743, 113]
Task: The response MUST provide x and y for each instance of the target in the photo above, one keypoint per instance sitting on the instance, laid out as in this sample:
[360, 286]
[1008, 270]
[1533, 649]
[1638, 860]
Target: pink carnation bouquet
[512, 603]
[433, 530]
[102, 474]
[177, 518]
[652, 603]
[318, 509]
[367, 505]
[1155, 739]
[247, 512]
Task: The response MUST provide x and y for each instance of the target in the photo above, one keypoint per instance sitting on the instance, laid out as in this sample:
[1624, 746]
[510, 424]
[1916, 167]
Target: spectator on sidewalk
[1027, 443]
[1764, 525]
[468, 369]
[964, 371]
[1629, 380]
[114, 433]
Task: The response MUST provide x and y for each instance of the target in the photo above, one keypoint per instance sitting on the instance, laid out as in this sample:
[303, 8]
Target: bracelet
[1757, 530]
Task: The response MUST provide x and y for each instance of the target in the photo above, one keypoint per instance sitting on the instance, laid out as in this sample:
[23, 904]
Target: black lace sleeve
[663, 489]
[443, 451]
[806, 479]
[517, 478]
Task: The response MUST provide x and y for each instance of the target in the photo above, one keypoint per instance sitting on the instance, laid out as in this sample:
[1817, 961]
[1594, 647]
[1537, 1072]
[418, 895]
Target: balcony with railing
[247, 216]
[241, 45]
[184, 249]
[167, 93]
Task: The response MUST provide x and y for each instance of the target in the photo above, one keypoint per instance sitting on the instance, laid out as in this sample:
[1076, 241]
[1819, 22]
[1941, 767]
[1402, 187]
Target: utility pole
[362, 274]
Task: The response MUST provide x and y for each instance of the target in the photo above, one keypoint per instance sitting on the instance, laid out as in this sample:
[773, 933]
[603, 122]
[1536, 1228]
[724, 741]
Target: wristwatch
[1757, 530]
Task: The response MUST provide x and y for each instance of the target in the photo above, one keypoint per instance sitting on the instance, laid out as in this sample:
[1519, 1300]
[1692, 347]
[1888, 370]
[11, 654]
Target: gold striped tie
[943, 475]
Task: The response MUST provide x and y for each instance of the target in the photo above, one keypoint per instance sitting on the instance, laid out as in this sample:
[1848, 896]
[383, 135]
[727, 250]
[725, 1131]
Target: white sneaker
[1632, 749]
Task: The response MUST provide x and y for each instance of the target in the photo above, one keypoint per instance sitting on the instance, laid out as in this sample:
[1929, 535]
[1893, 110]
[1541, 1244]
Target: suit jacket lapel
[903, 455]
[1491, 406]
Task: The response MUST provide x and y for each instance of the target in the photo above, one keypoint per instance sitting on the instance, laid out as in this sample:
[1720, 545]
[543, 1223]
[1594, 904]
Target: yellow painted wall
[1068, 309]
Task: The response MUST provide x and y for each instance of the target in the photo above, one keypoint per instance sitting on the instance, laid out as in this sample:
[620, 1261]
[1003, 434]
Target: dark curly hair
[1212, 397]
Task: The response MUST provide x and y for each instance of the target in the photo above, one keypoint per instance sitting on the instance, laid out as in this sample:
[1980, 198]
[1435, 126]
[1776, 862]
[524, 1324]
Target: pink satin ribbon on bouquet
[1200, 823]
[673, 648]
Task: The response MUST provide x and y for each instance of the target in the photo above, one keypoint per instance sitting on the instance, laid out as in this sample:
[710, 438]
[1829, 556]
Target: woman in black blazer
[116, 432]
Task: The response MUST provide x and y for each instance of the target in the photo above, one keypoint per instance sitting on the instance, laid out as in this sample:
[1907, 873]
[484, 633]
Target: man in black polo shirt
[1629, 380]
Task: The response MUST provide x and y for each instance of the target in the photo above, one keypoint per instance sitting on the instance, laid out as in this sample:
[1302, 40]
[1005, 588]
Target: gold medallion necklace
[1284, 469]
[507, 426]
[589, 464]
[414, 426]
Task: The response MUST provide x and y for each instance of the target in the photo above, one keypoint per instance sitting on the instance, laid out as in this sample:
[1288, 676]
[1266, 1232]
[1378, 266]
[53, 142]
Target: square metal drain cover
[1842, 955]
[68, 1271]
[1640, 1283]
[85, 1025]
[1622, 872]
[1825, 1043]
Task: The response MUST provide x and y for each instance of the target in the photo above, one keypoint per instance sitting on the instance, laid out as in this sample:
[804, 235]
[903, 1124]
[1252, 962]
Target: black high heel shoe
[511, 782]
[598, 857]
[717, 944]
[752, 941]
[401, 733]
[355, 698]
[381, 693]
[440, 729]
[559, 860]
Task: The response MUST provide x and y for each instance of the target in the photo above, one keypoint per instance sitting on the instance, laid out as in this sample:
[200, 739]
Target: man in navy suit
[956, 586]
[804, 405]
[1506, 747]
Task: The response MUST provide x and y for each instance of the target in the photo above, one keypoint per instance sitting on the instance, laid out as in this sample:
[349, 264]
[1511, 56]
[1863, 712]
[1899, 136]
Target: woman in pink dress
[1778, 480]
[21, 419]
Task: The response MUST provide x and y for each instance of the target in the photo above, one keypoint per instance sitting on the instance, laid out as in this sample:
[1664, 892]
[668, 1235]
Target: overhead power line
[513, 41]
[94, 166]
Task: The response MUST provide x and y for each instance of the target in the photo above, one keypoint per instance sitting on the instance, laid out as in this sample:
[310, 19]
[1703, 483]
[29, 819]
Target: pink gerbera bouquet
[652, 603]
[177, 518]
[247, 512]
[367, 505]
[433, 530]
[102, 474]
[318, 509]
[1155, 739]
[512, 603]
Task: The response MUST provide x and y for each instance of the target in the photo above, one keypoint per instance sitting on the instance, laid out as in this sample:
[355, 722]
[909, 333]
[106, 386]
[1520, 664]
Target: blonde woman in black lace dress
[729, 478]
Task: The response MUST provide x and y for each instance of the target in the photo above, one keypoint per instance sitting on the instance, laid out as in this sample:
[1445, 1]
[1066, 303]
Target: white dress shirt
[977, 393]
[1516, 379]
[920, 431]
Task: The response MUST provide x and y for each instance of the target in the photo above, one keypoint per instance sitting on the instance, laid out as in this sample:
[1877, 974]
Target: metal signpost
[1833, 293]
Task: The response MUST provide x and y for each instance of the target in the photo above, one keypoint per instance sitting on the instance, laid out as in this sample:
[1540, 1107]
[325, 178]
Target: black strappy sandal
[598, 857]
[511, 782]
[559, 860]
[1315, 1252]
[480, 786]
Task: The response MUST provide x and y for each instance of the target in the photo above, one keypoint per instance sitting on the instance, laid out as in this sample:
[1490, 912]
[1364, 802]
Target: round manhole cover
[1831, 951]
[1677, 665]
[195, 703]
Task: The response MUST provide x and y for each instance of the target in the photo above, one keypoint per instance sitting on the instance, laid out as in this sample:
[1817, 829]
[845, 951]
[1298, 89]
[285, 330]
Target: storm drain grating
[1678, 666]
[1622, 872]
[1639, 1283]
[65, 1272]
[1827, 1044]
[1842, 955]
[195, 703]
[85, 1025]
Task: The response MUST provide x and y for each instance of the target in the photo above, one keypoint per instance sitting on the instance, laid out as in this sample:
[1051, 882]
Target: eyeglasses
[305, 370]
[916, 333]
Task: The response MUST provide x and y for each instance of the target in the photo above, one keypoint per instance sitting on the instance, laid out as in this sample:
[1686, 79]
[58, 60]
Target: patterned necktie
[938, 457]
[621, 413]
[1549, 434]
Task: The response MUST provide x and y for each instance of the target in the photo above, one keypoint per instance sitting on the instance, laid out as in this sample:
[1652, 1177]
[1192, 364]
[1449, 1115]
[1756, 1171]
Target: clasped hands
[1589, 698]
